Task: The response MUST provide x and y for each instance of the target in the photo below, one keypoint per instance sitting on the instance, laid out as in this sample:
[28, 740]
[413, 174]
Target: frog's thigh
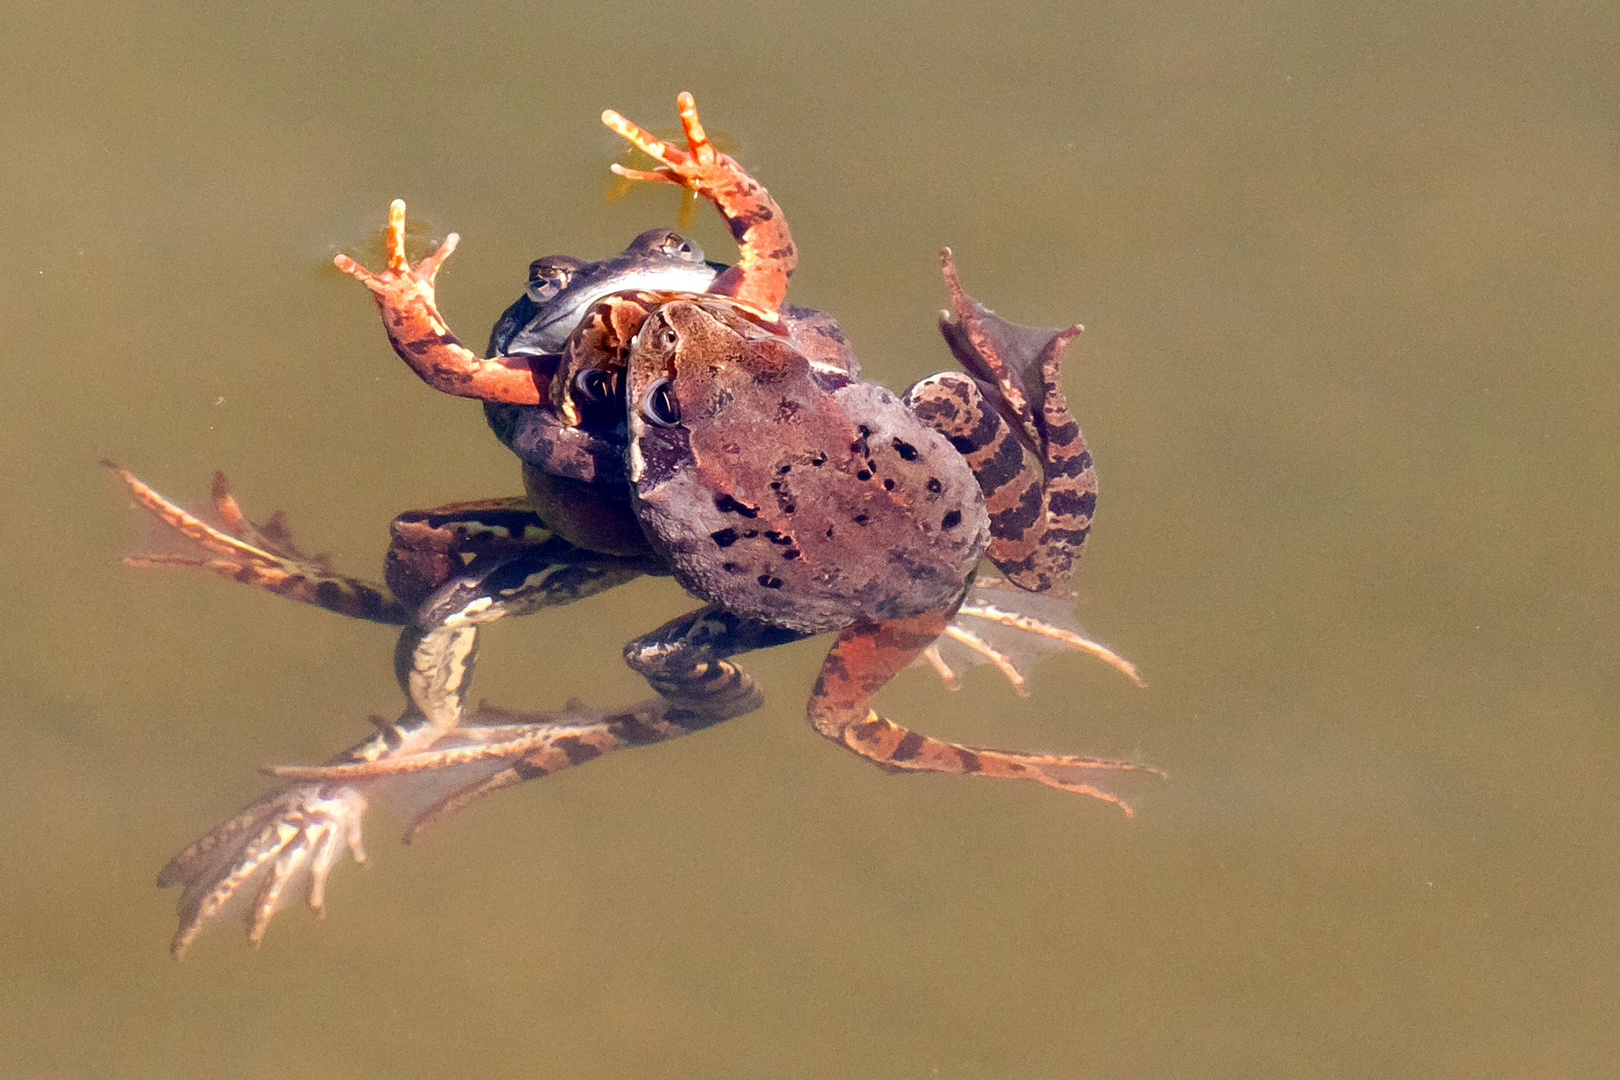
[684, 660]
[428, 548]
[867, 656]
[952, 405]
[434, 657]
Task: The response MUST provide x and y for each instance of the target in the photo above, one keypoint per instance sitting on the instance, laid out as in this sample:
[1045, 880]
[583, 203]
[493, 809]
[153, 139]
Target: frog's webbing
[1038, 524]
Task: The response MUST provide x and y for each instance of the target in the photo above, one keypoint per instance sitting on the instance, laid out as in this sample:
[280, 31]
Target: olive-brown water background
[1350, 274]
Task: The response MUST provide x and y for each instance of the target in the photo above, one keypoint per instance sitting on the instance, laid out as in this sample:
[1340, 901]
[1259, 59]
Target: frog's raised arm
[423, 339]
[766, 252]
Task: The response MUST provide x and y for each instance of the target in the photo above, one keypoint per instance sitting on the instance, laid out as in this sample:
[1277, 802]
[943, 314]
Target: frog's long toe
[263, 556]
[867, 656]
[1011, 629]
[256, 857]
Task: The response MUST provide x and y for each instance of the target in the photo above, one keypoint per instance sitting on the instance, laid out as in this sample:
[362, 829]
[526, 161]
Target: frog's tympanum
[675, 417]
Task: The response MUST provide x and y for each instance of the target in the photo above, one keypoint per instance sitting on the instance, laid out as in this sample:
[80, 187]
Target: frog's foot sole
[420, 335]
[767, 255]
[252, 861]
[526, 746]
[1011, 629]
[261, 555]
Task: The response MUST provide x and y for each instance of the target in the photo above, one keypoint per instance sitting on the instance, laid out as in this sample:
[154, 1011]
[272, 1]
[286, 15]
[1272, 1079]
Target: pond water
[1350, 276]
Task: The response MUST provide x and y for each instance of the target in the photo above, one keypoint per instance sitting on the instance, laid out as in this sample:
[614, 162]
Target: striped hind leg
[294, 835]
[864, 659]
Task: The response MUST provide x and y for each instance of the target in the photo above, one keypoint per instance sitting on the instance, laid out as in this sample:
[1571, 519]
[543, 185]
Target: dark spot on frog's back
[728, 505]
[724, 538]
[951, 520]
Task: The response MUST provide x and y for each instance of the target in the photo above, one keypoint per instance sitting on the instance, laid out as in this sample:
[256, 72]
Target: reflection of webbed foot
[258, 855]
[1012, 629]
[260, 555]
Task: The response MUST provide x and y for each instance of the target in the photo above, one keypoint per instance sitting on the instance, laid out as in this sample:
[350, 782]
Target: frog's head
[688, 362]
[562, 288]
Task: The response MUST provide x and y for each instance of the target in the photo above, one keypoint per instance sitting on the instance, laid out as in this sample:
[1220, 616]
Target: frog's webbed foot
[421, 337]
[1038, 527]
[1011, 629]
[766, 252]
[867, 656]
[260, 555]
[253, 861]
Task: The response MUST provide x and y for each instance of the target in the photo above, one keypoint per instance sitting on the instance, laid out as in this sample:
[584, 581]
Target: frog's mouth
[548, 331]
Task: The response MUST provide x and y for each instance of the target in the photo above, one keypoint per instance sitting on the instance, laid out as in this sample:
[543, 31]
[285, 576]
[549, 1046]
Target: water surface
[1350, 279]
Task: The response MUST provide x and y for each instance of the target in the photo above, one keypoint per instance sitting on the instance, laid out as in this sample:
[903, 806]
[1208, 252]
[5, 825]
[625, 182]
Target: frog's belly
[865, 514]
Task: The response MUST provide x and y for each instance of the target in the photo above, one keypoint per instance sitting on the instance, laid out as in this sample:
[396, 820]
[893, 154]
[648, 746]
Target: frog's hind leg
[263, 556]
[1038, 524]
[293, 834]
[685, 660]
[868, 655]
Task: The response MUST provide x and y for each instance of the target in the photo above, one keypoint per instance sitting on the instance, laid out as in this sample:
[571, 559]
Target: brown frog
[788, 495]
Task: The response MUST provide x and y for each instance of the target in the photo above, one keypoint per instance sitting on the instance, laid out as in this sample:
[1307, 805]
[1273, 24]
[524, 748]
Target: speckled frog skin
[790, 494]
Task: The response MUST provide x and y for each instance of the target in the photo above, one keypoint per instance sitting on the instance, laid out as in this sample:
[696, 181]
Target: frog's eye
[596, 387]
[668, 338]
[679, 247]
[658, 404]
[546, 281]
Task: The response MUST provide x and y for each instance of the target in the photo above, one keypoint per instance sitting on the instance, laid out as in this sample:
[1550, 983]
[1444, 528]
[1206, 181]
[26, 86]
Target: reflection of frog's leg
[261, 555]
[766, 253]
[296, 833]
[420, 335]
[867, 656]
[1038, 527]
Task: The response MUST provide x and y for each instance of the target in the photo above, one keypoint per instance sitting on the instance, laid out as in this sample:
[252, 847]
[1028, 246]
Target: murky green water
[1351, 279]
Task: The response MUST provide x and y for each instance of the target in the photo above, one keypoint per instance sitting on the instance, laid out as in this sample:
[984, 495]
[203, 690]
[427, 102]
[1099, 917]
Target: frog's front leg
[864, 659]
[421, 337]
[766, 254]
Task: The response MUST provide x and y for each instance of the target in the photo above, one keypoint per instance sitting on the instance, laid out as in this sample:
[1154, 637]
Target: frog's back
[813, 500]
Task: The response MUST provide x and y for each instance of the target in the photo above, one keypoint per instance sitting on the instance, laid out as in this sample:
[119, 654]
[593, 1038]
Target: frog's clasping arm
[766, 254]
[420, 335]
